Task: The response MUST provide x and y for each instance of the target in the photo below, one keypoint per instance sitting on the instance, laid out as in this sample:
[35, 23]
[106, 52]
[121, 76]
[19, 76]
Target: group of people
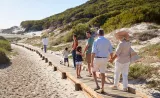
[98, 52]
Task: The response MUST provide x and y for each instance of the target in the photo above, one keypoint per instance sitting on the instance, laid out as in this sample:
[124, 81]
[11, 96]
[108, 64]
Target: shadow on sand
[3, 66]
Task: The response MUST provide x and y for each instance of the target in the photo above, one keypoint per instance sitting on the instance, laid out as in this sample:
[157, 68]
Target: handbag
[133, 56]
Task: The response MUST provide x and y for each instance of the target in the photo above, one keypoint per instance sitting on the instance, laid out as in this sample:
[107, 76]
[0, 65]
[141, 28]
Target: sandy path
[29, 77]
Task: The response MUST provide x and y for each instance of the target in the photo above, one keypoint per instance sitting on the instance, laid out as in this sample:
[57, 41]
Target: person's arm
[63, 53]
[92, 58]
[79, 53]
[110, 50]
[94, 51]
[85, 49]
[118, 51]
[72, 46]
[113, 58]
[87, 46]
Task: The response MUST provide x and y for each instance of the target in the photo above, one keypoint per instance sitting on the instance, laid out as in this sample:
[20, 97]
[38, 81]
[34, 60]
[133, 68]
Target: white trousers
[121, 68]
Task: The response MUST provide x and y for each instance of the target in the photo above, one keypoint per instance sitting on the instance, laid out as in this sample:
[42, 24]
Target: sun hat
[120, 35]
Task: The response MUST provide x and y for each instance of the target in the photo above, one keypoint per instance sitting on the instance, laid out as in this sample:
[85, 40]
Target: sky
[13, 12]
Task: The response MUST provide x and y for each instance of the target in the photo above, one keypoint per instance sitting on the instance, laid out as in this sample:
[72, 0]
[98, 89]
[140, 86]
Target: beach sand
[30, 77]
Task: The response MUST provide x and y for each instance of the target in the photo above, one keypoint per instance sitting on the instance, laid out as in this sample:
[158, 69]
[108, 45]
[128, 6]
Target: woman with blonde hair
[122, 62]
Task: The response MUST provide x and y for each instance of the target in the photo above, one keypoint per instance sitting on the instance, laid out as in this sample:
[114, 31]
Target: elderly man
[101, 51]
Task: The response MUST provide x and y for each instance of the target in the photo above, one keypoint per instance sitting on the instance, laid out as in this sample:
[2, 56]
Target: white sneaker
[125, 89]
[114, 87]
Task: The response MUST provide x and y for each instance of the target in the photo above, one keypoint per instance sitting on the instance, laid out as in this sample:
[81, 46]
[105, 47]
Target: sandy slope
[29, 77]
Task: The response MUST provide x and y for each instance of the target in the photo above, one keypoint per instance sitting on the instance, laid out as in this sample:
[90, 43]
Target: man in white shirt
[45, 43]
[101, 51]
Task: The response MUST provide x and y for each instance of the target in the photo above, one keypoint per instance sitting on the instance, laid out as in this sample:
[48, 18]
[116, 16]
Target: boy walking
[65, 55]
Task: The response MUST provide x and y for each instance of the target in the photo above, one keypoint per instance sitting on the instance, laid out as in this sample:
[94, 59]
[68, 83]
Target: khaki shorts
[99, 64]
[88, 58]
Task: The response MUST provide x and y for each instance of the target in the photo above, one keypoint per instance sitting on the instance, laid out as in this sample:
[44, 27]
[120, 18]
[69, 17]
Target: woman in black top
[79, 60]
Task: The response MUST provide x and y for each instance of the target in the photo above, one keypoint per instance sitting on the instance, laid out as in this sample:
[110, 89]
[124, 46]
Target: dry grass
[34, 41]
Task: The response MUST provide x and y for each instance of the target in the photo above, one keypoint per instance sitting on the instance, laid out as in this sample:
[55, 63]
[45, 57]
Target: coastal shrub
[83, 20]
[140, 71]
[98, 20]
[101, 19]
[151, 50]
[95, 8]
[68, 37]
[5, 47]
[132, 16]
[68, 27]
[3, 57]
[57, 41]
[79, 30]
[4, 44]
[146, 36]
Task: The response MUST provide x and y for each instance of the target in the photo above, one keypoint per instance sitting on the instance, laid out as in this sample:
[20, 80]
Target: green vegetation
[140, 71]
[5, 47]
[79, 30]
[146, 72]
[108, 14]
[139, 14]
[151, 50]
[4, 44]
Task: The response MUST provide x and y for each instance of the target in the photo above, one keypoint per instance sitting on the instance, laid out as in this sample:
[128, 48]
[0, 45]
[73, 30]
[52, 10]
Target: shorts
[65, 59]
[79, 63]
[99, 64]
[88, 58]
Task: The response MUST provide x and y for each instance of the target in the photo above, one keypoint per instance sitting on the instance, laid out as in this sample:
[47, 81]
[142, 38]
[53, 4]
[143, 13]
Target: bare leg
[80, 70]
[77, 71]
[95, 79]
[102, 80]
[89, 68]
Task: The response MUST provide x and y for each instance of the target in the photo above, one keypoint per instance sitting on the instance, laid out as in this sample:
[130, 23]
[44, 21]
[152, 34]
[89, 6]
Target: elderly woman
[122, 61]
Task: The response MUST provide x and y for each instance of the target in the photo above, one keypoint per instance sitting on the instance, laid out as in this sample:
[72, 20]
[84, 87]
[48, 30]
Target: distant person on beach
[122, 57]
[88, 50]
[65, 55]
[74, 46]
[101, 51]
[45, 43]
[79, 60]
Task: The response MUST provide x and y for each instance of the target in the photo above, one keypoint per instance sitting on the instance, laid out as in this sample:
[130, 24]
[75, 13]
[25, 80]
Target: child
[65, 55]
[79, 60]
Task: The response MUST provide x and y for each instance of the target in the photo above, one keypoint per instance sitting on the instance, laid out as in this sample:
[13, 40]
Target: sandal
[97, 88]
[125, 89]
[114, 87]
[102, 91]
[90, 75]
[80, 77]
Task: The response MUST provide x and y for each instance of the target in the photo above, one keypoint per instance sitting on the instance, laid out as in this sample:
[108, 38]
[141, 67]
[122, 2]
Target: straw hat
[122, 35]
